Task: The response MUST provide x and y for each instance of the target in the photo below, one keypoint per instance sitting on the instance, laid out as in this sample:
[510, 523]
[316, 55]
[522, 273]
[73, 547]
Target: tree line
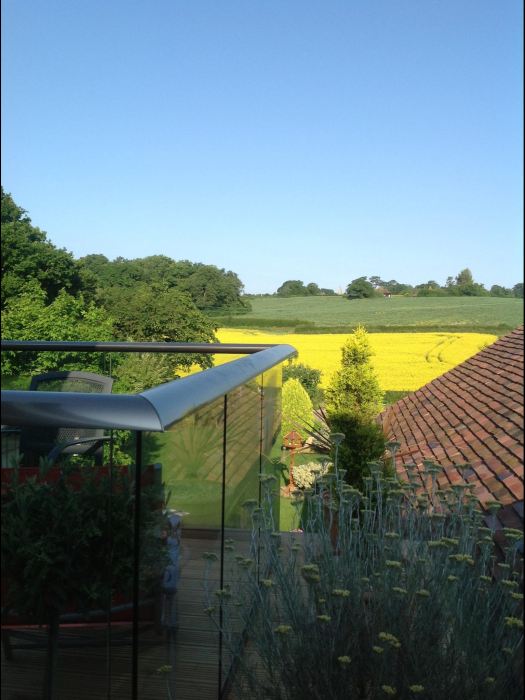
[368, 287]
[461, 285]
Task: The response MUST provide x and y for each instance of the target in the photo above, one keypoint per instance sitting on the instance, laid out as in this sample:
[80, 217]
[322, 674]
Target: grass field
[399, 314]
[403, 361]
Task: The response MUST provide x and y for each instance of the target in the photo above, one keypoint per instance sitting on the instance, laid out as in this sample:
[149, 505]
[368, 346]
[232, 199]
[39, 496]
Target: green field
[397, 314]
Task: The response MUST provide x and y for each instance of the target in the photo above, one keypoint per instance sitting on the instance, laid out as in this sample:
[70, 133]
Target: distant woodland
[47, 294]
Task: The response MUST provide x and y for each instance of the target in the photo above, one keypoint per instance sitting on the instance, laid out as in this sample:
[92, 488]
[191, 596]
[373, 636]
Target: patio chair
[49, 443]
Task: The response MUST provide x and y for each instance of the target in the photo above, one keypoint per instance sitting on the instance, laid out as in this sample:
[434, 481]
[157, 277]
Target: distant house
[472, 414]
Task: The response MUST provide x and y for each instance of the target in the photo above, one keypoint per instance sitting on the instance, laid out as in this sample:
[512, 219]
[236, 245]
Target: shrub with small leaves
[305, 475]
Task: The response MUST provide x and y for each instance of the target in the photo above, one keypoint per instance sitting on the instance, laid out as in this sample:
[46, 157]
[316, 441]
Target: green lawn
[303, 314]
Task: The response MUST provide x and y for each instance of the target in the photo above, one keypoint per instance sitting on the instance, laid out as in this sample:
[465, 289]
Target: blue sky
[318, 140]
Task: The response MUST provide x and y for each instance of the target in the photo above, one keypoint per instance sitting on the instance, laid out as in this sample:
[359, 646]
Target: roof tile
[473, 413]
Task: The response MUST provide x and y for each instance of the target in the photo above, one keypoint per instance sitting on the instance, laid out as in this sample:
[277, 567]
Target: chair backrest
[38, 442]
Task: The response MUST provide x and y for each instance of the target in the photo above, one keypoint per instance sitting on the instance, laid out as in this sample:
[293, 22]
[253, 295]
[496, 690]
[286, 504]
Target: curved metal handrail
[153, 410]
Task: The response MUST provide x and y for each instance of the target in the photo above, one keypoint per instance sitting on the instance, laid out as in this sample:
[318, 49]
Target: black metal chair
[49, 443]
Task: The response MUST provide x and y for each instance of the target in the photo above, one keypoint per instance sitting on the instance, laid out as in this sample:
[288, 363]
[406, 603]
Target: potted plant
[68, 545]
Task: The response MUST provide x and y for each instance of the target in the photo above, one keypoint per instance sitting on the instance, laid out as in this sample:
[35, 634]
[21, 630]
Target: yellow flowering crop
[402, 361]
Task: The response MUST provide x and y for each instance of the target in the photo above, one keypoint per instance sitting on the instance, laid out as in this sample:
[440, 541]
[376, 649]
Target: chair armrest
[56, 451]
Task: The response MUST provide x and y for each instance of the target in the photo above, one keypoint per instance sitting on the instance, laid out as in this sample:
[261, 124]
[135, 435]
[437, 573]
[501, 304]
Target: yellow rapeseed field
[403, 361]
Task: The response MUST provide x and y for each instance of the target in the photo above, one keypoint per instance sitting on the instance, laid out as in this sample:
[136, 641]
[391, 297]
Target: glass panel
[19, 367]
[253, 423]
[67, 573]
[180, 658]
[194, 480]
[243, 465]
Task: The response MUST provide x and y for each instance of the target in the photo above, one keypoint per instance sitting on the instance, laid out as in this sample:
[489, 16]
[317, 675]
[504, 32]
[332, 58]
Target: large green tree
[152, 313]
[27, 254]
[211, 288]
[292, 288]
[465, 285]
[29, 317]
[360, 288]
[498, 291]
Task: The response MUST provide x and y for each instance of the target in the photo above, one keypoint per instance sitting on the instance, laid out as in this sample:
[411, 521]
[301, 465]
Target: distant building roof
[472, 414]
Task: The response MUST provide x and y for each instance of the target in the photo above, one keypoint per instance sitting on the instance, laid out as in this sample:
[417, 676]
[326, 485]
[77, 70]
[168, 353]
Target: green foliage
[304, 475]
[364, 442]
[313, 288]
[354, 389]
[360, 288]
[395, 287]
[498, 291]
[464, 285]
[353, 399]
[297, 288]
[308, 376]
[140, 371]
[68, 318]
[55, 544]
[378, 595]
[464, 278]
[292, 288]
[427, 291]
[297, 407]
[518, 290]
[153, 313]
[473, 290]
[27, 255]
[210, 288]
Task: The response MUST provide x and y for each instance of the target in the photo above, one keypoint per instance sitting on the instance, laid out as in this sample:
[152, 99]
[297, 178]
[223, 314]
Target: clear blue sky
[318, 140]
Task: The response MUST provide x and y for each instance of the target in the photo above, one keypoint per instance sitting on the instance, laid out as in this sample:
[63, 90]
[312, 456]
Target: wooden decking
[183, 666]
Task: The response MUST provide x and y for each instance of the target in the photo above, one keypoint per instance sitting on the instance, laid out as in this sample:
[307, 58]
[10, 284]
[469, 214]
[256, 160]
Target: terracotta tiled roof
[472, 414]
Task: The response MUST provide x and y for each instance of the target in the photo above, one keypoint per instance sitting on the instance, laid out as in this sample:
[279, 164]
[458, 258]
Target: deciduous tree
[29, 317]
[360, 288]
[28, 255]
[292, 288]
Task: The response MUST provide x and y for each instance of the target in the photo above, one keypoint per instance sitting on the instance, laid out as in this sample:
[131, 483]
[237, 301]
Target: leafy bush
[308, 376]
[363, 442]
[29, 317]
[304, 475]
[360, 288]
[55, 538]
[384, 593]
[297, 407]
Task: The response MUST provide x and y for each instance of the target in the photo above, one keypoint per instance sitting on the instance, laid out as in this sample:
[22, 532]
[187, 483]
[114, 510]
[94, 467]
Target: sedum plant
[384, 593]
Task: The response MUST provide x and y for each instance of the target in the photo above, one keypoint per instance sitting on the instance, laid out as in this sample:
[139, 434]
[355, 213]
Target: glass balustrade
[104, 592]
